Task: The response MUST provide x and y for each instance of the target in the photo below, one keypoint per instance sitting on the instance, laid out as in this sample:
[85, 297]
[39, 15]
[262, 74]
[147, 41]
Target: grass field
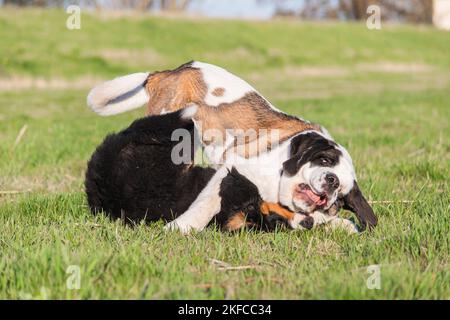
[385, 95]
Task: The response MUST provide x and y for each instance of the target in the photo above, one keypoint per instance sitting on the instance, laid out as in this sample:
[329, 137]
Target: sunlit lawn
[385, 95]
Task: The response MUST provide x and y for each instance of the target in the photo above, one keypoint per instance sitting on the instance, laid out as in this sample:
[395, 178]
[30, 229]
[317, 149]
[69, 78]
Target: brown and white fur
[225, 101]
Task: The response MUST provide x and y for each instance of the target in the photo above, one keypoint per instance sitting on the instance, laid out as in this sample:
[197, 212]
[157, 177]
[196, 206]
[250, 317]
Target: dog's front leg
[334, 222]
[203, 209]
[294, 220]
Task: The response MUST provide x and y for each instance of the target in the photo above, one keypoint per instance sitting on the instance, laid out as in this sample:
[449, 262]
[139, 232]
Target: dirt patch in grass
[17, 83]
[151, 57]
[238, 53]
[133, 58]
[12, 186]
[30, 184]
[394, 67]
[295, 72]
[325, 83]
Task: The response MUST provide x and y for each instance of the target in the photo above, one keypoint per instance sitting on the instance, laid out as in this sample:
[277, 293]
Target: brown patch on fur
[172, 90]
[236, 222]
[218, 92]
[272, 127]
[269, 207]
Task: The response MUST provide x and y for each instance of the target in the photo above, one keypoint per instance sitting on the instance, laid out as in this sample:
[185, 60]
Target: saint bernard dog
[291, 161]
[132, 176]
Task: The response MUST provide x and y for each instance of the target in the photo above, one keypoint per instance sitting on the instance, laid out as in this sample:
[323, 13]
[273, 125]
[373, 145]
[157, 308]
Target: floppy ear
[355, 202]
[292, 165]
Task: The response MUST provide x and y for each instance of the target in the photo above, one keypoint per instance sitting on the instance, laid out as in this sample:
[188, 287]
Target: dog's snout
[332, 180]
[307, 222]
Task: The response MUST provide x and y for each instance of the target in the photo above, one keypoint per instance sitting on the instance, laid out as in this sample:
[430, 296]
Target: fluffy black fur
[241, 195]
[131, 176]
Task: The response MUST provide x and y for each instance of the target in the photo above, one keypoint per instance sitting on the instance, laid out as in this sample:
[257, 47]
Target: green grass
[385, 95]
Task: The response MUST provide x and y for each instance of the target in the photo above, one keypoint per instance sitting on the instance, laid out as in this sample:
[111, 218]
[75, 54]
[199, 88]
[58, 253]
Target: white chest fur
[264, 171]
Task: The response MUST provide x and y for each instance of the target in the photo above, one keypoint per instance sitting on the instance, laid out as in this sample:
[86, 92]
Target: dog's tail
[119, 95]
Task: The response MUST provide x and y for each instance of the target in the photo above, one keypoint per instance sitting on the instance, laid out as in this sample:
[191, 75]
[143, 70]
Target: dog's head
[239, 194]
[318, 175]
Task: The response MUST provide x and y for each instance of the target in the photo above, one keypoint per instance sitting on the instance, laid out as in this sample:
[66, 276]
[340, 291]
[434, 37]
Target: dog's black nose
[307, 223]
[332, 180]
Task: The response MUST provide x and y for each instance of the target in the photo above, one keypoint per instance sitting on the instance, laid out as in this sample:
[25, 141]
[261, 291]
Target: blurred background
[318, 59]
[383, 93]
[413, 11]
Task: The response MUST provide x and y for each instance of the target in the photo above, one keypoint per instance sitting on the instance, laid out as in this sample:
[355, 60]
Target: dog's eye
[325, 161]
[250, 207]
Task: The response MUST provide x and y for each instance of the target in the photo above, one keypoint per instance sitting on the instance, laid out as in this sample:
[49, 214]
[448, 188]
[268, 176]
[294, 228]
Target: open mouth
[305, 191]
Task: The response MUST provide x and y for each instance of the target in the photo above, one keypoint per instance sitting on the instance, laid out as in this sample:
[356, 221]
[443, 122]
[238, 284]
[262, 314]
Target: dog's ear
[296, 155]
[355, 202]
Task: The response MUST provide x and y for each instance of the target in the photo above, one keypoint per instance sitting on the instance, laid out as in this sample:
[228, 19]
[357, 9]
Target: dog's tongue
[315, 198]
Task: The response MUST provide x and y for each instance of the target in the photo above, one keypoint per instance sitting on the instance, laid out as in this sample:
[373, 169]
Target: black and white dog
[301, 167]
[309, 174]
[132, 176]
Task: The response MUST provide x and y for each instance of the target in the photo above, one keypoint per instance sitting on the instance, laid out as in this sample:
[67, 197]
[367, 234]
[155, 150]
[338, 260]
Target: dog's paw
[300, 221]
[344, 224]
[177, 225]
[294, 223]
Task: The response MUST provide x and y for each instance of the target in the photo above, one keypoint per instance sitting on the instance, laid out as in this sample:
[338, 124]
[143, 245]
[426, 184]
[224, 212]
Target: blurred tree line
[414, 11]
[164, 5]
